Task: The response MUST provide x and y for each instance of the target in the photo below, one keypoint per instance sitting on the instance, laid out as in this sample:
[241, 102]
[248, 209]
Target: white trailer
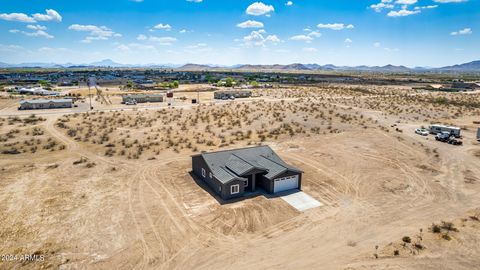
[435, 129]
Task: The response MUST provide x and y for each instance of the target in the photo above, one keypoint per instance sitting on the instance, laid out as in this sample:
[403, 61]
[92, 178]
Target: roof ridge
[275, 162]
[233, 150]
[233, 154]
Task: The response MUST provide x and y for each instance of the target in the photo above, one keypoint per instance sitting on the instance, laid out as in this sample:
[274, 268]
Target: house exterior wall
[235, 93]
[223, 190]
[44, 105]
[226, 195]
[143, 98]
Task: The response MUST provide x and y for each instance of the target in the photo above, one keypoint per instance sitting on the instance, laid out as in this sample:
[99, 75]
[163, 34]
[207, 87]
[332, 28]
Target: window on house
[234, 189]
[203, 172]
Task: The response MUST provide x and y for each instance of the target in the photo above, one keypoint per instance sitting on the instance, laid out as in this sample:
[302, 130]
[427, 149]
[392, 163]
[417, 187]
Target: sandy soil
[80, 208]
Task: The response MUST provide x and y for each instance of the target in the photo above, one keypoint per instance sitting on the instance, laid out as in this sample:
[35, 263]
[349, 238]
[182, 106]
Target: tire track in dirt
[351, 187]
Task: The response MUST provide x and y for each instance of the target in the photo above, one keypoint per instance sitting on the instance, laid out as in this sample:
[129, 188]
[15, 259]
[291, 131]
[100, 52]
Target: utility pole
[90, 83]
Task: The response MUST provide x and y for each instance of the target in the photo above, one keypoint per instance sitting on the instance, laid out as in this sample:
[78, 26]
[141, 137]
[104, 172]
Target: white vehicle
[131, 102]
[454, 131]
[421, 131]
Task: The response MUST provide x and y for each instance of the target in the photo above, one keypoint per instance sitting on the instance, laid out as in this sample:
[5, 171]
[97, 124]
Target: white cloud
[465, 31]
[195, 1]
[314, 34]
[165, 41]
[377, 44]
[380, 6]
[391, 49]
[402, 13]
[259, 8]
[406, 2]
[51, 15]
[38, 33]
[305, 38]
[162, 26]
[51, 50]
[250, 24]
[426, 7]
[196, 46]
[17, 17]
[141, 37]
[258, 39]
[94, 32]
[289, 3]
[36, 27]
[10, 48]
[135, 47]
[335, 26]
[310, 50]
[449, 1]
[347, 40]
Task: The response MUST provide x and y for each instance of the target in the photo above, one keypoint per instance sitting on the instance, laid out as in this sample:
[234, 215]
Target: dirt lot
[115, 190]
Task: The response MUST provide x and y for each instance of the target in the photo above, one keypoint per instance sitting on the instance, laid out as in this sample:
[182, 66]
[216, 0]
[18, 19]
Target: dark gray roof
[234, 164]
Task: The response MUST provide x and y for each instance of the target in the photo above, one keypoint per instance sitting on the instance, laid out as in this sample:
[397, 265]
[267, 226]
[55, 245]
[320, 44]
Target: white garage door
[285, 183]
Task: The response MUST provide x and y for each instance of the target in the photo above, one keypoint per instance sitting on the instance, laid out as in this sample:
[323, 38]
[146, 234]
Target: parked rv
[454, 131]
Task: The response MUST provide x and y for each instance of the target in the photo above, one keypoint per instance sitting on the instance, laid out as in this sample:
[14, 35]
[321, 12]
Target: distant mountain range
[473, 66]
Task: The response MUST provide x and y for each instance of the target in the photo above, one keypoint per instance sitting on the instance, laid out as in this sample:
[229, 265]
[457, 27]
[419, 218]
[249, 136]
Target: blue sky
[341, 32]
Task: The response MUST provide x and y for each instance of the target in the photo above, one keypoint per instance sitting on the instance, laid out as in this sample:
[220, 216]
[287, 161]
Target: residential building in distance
[36, 104]
[142, 98]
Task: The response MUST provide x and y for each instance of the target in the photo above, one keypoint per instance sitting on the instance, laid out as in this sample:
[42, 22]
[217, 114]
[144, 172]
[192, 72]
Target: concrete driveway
[301, 201]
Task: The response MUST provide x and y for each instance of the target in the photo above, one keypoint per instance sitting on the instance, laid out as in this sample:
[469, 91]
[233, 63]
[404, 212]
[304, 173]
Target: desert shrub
[435, 228]
[406, 239]
[90, 165]
[396, 252]
[418, 246]
[12, 151]
[448, 226]
[80, 161]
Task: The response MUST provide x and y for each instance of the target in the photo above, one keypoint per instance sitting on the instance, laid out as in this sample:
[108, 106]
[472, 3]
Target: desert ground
[111, 189]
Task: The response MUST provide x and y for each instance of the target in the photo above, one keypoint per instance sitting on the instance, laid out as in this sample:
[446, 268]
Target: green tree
[44, 83]
[175, 84]
[229, 82]
[129, 84]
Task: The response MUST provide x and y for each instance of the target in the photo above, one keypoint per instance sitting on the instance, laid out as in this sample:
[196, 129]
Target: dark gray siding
[223, 190]
[226, 195]
[197, 164]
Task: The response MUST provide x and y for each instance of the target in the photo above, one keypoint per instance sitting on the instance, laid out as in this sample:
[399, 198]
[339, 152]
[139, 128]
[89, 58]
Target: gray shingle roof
[233, 164]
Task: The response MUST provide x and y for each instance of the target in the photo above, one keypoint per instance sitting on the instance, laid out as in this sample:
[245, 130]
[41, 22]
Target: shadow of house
[246, 195]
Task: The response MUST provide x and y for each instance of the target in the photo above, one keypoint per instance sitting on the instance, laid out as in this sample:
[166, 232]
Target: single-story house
[231, 173]
[143, 98]
[232, 93]
[45, 104]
